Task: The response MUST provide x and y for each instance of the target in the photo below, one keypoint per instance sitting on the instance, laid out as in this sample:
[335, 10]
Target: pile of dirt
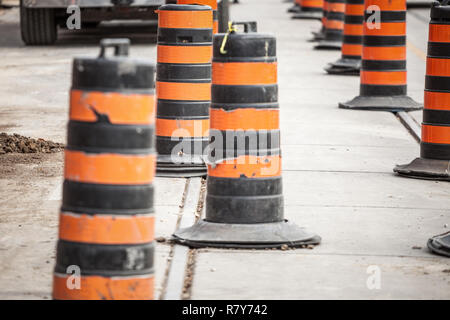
[19, 144]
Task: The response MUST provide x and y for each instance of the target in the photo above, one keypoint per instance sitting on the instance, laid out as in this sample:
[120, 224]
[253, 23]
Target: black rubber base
[393, 104]
[294, 9]
[344, 67]
[308, 15]
[328, 45]
[430, 169]
[440, 244]
[192, 167]
[250, 236]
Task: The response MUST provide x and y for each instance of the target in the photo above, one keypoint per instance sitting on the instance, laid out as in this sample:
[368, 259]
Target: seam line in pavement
[181, 256]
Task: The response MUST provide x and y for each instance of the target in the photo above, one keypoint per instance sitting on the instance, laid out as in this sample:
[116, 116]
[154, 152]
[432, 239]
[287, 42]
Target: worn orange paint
[103, 288]
[120, 108]
[182, 128]
[108, 168]
[245, 119]
[248, 166]
[105, 229]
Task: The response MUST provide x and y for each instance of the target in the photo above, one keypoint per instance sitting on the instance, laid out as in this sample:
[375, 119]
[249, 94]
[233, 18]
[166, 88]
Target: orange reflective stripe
[183, 91]
[244, 73]
[211, 3]
[336, 7]
[383, 77]
[108, 168]
[439, 33]
[384, 53]
[312, 3]
[353, 29]
[103, 229]
[438, 67]
[354, 9]
[215, 26]
[351, 49]
[103, 288]
[334, 24]
[435, 134]
[182, 128]
[387, 29]
[184, 54]
[437, 100]
[121, 108]
[245, 119]
[387, 5]
[185, 19]
[248, 166]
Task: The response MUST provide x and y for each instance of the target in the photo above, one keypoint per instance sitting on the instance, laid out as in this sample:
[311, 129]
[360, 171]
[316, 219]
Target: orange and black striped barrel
[353, 30]
[212, 4]
[106, 225]
[319, 35]
[434, 159]
[383, 81]
[436, 114]
[383, 70]
[350, 61]
[334, 25]
[246, 187]
[183, 88]
[310, 9]
[244, 202]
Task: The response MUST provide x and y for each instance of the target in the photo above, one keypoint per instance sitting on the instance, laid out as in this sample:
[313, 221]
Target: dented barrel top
[245, 46]
[113, 71]
[184, 7]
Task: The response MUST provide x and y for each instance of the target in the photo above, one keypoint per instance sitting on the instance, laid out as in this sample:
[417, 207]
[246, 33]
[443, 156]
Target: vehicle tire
[38, 26]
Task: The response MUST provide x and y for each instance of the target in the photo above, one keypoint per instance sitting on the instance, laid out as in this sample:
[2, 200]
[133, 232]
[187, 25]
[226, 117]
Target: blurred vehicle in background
[39, 19]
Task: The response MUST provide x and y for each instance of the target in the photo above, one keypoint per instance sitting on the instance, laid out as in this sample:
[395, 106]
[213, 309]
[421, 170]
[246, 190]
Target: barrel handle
[249, 26]
[121, 46]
